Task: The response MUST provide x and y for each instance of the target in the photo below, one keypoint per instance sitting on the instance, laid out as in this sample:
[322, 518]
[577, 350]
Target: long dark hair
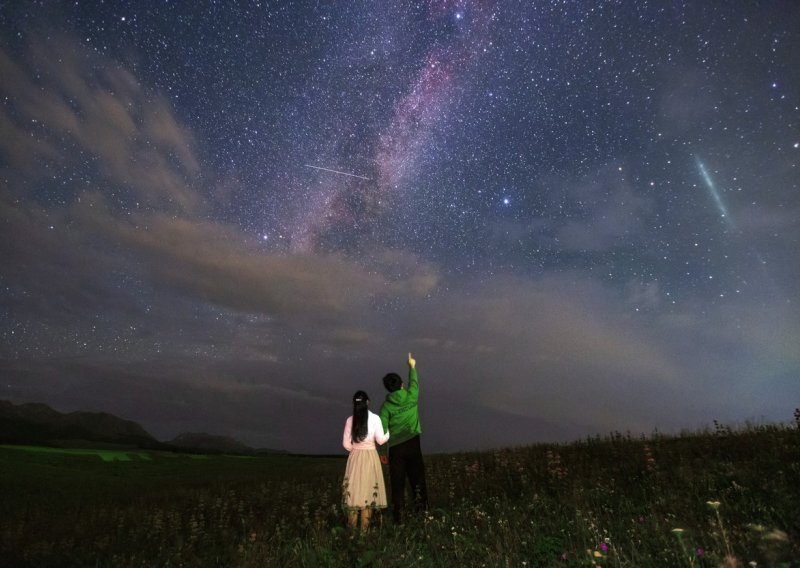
[360, 427]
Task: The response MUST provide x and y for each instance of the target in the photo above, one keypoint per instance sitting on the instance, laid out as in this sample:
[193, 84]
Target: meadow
[722, 497]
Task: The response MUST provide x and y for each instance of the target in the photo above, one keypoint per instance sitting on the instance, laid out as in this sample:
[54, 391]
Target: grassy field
[720, 498]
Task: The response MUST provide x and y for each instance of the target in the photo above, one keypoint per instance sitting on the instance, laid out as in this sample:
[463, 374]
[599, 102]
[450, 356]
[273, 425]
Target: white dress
[363, 484]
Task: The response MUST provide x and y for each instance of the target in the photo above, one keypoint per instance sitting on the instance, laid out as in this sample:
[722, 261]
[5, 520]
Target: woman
[363, 485]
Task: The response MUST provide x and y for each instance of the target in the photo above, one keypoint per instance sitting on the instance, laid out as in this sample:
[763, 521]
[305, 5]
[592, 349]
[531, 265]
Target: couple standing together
[364, 489]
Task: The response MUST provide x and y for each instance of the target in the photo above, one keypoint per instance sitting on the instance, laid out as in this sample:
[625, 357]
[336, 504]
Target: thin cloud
[130, 133]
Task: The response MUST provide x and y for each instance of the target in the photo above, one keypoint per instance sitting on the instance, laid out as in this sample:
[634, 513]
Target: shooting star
[336, 172]
[723, 210]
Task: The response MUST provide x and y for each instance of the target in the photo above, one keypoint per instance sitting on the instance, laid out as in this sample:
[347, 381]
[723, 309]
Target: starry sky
[580, 217]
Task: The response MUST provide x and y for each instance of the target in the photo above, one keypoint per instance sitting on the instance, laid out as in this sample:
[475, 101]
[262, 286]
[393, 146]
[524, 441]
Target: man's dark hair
[392, 382]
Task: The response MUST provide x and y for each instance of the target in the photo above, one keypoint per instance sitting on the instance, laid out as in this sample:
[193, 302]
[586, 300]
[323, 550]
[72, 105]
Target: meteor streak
[335, 172]
[714, 193]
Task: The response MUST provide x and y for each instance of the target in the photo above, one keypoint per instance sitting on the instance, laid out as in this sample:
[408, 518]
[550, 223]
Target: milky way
[227, 217]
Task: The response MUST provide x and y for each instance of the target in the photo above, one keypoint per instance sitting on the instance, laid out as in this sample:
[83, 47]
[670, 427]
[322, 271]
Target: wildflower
[554, 467]
[598, 554]
[678, 532]
[713, 504]
[778, 535]
[603, 547]
[649, 460]
[700, 552]
[474, 469]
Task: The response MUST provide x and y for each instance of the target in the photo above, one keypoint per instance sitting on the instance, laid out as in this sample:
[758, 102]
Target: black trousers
[405, 460]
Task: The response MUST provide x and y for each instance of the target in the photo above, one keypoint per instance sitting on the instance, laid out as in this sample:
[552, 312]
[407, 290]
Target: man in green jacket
[400, 416]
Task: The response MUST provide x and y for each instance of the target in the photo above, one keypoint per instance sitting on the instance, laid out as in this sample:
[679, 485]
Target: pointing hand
[411, 361]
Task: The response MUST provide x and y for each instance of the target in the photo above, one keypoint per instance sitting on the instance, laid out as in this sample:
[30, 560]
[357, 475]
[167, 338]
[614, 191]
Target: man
[400, 416]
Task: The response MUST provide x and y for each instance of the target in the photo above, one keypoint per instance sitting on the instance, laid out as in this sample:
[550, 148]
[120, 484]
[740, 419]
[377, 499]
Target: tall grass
[718, 498]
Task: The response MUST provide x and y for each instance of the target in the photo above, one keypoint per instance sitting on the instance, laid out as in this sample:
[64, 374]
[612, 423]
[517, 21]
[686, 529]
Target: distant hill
[38, 424]
[35, 423]
[209, 443]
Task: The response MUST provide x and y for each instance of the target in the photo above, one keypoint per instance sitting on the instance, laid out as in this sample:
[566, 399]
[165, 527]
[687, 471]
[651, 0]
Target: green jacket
[400, 412]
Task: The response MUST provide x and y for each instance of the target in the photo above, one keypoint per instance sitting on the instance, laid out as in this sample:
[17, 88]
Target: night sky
[579, 217]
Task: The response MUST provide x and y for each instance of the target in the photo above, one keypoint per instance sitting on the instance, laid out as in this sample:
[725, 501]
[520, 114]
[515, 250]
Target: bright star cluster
[226, 216]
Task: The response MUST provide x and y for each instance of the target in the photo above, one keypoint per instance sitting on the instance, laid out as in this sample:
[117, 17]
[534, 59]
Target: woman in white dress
[363, 486]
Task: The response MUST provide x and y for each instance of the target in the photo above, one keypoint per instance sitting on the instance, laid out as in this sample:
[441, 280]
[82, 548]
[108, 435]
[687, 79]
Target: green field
[105, 455]
[719, 498]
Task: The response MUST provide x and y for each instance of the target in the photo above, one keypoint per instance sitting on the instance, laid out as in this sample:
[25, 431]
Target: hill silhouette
[36, 423]
[39, 424]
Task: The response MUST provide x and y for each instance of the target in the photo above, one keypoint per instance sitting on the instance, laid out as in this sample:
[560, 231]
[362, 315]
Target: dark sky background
[579, 216]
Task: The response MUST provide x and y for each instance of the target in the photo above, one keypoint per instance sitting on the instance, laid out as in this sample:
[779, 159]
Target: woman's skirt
[363, 481]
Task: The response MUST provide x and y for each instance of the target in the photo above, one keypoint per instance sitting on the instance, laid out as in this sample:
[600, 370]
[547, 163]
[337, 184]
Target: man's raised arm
[413, 380]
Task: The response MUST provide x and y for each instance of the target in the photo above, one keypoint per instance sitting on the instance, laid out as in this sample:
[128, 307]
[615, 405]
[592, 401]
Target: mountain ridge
[37, 423]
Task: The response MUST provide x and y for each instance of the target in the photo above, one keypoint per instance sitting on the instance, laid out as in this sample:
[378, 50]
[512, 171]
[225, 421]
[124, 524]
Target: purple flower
[700, 552]
[603, 547]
